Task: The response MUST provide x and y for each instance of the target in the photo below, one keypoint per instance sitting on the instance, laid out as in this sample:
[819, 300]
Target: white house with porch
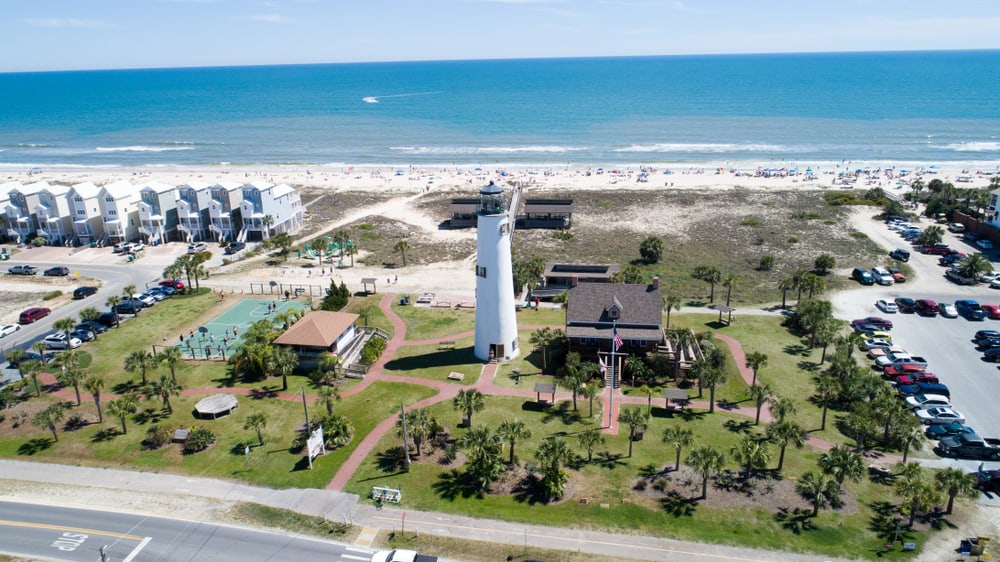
[119, 212]
[279, 202]
[193, 201]
[20, 209]
[85, 206]
[226, 197]
[157, 207]
[53, 215]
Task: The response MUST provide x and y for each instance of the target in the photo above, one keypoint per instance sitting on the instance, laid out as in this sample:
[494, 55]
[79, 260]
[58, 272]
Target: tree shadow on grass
[127, 387]
[454, 484]
[150, 416]
[608, 460]
[808, 366]
[678, 505]
[530, 491]
[742, 426]
[692, 415]
[34, 446]
[883, 521]
[797, 349]
[563, 412]
[392, 459]
[444, 358]
[106, 434]
[263, 392]
[797, 520]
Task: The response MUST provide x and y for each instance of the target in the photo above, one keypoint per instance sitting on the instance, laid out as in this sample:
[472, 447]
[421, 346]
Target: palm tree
[50, 418]
[710, 275]
[649, 392]
[90, 314]
[759, 394]
[651, 249]
[140, 361]
[121, 407]
[574, 380]
[328, 395]
[781, 408]
[284, 360]
[711, 378]
[402, 246]
[842, 463]
[329, 362]
[113, 302]
[914, 435]
[94, 385]
[636, 420]
[541, 338]
[784, 286]
[827, 388]
[729, 281]
[706, 460]
[164, 388]
[679, 437]
[40, 347]
[469, 401]
[31, 368]
[171, 356]
[974, 265]
[751, 453]
[483, 448]
[552, 454]
[512, 431]
[634, 365]
[64, 325]
[917, 494]
[367, 313]
[590, 391]
[589, 439]
[15, 356]
[755, 361]
[955, 482]
[785, 433]
[819, 486]
[671, 302]
[71, 375]
[128, 291]
[257, 421]
[681, 340]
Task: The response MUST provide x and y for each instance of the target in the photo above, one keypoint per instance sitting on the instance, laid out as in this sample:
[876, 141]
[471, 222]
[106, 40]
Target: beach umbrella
[400, 172]
[809, 169]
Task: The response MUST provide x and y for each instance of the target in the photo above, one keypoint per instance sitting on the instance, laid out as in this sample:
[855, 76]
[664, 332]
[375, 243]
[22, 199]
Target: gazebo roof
[216, 404]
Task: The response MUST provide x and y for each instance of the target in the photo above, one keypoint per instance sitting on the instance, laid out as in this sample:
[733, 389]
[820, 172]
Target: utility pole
[406, 440]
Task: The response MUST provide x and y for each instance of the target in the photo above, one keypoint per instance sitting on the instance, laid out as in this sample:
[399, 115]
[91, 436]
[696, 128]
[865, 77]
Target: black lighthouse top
[492, 200]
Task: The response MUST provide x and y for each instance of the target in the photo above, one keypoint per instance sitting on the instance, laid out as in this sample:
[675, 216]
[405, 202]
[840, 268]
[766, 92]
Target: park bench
[456, 376]
[446, 345]
[386, 494]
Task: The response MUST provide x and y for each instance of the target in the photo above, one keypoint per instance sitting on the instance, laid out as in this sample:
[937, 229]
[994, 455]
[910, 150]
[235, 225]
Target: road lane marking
[135, 551]
[352, 557]
[606, 543]
[73, 529]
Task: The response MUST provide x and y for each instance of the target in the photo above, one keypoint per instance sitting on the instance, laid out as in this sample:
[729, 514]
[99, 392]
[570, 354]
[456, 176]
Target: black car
[107, 319]
[992, 354]
[906, 304]
[950, 259]
[95, 327]
[84, 292]
[985, 334]
[988, 481]
[234, 247]
[57, 271]
[83, 334]
[131, 306]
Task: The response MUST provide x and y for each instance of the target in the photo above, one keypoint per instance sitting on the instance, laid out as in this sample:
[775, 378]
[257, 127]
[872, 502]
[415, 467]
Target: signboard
[314, 445]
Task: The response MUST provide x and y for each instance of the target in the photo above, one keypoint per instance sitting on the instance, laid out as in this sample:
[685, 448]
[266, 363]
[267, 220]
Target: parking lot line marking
[73, 529]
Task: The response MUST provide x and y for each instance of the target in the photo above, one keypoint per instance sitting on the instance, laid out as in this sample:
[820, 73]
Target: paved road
[43, 531]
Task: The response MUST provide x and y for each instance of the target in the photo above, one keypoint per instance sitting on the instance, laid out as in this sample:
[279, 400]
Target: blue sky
[86, 34]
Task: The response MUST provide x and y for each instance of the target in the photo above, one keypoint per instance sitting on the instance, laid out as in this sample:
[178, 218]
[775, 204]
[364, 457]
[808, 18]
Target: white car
[877, 352]
[8, 329]
[984, 244]
[989, 277]
[875, 342]
[156, 295]
[948, 310]
[924, 401]
[197, 247]
[147, 300]
[939, 414]
[882, 276]
[888, 307]
[57, 340]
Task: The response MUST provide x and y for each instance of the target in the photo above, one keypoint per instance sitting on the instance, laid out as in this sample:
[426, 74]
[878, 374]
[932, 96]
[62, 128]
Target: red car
[874, 321]
[175, 284]
[991, 310]
[903, 369]
[927, 307]
[937, 250]
[917, 377]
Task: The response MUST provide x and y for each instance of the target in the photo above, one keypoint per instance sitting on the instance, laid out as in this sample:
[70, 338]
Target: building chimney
[574, 280]
[656, 282]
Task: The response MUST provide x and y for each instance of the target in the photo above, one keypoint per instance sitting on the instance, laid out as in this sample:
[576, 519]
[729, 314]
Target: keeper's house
[594, 308]
[320, 332]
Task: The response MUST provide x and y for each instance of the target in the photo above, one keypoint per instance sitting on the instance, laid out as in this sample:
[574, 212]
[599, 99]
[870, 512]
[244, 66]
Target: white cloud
[269, 18]
[63, 22]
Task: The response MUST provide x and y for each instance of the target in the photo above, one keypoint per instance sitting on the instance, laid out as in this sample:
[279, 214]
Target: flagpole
[611, 367]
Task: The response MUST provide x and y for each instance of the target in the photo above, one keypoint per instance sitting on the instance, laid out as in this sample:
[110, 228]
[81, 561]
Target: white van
[956, 227]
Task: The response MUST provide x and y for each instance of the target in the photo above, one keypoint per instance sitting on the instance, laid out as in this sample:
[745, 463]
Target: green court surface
[218, 338]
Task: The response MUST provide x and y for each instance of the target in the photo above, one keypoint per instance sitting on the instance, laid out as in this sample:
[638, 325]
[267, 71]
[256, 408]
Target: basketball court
[219, 338]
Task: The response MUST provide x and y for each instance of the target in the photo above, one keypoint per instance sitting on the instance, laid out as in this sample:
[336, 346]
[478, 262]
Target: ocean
[934, 107]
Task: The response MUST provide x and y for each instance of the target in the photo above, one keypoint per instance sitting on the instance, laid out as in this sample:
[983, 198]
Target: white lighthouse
[496, 320]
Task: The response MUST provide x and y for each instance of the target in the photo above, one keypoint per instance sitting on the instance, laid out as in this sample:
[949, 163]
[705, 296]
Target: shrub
[859, 235]
[793, 239]
[750, 222]
[640, 485]
[766, 263]
[51, 295]
[373, 350]
[156, 437]
[661, 484]
[199, 440]
[563, 235]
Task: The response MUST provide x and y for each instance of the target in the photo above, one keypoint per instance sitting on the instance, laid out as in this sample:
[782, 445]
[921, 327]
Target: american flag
[617, 339]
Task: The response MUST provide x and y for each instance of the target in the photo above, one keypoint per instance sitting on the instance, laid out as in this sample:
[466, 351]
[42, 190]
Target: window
[613, 313]
[109, 199]
[481, 272]
[112, 212]
[636, 343]
[78, 199]
[81, 212]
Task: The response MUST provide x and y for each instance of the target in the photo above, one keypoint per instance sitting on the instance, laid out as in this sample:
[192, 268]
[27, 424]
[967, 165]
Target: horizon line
[495, 59]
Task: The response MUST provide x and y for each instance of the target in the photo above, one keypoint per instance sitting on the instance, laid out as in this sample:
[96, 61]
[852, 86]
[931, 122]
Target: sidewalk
[338, 506]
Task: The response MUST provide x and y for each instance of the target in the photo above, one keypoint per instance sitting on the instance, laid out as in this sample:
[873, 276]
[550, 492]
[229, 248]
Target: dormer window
[614, 309]
[613, 313]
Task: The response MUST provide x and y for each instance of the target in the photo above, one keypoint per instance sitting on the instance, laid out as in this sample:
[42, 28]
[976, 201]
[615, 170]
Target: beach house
[320, 332]
[224, 210]
[268, 209]
[119, 212]
[157, 207]
[85, 206]
[20, 209]
[193, 201]
[595, 311]
[53, 215]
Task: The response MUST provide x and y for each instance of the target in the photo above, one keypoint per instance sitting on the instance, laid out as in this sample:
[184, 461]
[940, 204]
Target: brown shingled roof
[640, 304]
[319, 328]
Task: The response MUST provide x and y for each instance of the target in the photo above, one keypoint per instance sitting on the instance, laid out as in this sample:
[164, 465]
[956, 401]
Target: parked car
[58, 340]
[146, 300]
[197, 247]
[874, 342]
[234, 247]
[917, 378]
[956, 227]
[937, 250]
[950, 259]
[906, 304]
[166, 289]
[58, 271]
[900, 359]
[882, 276]
[83, 335]
[970, 446]
[159, 293]
[900, 254]
[878, 335]
[887, 307]
[995, 284]
[992, 354]
[876, 352]
[948, 310]
[957, 277]
[130, 306]
[8, 329]
[882, 323]
[33, 314]
[899, 370]
[946, 429]
[984, 244]
[939, 414]
[157, 296]
[108, 319]
[983, 334]
[992, 311]
[970, 309]
[897, 275]
[988, 480]
[84, 292]
[861, 275]
[22, 270]
[95, 327]
[927, 307]
[922, 401]
[175, 284]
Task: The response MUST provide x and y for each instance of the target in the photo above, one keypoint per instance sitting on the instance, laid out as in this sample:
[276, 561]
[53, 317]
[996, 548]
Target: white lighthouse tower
[496, 321]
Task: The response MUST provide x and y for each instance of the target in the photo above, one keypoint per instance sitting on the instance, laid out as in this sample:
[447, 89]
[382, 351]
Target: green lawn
[433, 363]
[426, 323]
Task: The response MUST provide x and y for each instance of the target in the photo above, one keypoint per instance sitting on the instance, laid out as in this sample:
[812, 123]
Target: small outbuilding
[320, 332]
[216, 405]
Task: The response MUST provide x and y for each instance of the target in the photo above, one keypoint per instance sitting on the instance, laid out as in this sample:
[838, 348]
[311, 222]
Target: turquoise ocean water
[914, 106]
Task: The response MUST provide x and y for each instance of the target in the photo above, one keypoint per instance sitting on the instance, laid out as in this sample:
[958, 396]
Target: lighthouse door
[499, 351]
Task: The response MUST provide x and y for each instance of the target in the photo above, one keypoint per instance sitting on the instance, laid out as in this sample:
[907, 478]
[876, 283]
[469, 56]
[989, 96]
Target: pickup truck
[22, 270]
[970, 446]
[401, 555]
[970, 309]
[899, 359]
